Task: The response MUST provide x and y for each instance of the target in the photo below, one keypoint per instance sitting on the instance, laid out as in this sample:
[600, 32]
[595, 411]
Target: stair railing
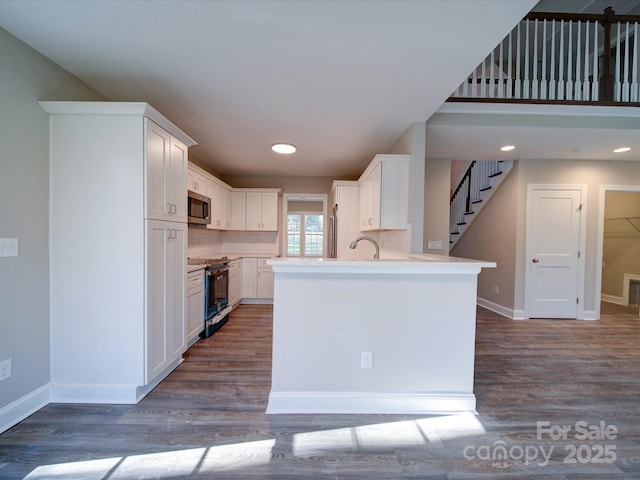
[562, 57]
[476, 179]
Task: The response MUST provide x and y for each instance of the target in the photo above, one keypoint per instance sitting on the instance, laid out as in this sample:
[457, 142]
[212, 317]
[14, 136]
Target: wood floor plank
[207, 420]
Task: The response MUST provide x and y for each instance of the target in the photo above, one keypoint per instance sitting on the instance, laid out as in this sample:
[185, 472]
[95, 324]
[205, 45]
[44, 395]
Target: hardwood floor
[206, 420]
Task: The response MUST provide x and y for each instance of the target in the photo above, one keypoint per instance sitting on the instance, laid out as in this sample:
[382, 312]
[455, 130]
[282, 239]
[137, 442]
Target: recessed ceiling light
[621, 150]
[284, 148]
[507, 148]
[579, 149]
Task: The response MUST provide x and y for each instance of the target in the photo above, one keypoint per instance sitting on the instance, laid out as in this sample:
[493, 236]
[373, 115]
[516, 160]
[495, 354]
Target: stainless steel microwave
[198, 208]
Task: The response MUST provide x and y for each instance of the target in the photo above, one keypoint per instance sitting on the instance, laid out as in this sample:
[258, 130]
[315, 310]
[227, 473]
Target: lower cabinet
[257, 278]
[265, 279]
[166, 290]
[235, 282]
[195, 304]
[249, 277]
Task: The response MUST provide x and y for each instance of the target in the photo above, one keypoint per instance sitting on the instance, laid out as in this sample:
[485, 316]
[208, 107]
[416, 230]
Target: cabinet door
[265, 279]
[254, 211]
[176, 180]
[216, 194]
[238, 210]
[157, 319]
[227, 212]
[374, 209]
[177, 289]
[270, 211]
[235, 282]
[196, 182]
[166, 175]
[166, 286]
[370, 201]
[249, 277]
[195, 304]
[157, 165]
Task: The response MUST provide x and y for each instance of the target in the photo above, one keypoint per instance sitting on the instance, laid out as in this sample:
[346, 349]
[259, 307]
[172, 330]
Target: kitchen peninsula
[380, 336]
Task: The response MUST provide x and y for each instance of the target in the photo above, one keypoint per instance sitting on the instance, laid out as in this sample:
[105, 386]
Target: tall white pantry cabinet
[118, 240]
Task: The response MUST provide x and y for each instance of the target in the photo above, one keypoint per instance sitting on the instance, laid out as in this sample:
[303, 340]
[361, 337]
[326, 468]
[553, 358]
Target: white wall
[26, 77]
[503, 220]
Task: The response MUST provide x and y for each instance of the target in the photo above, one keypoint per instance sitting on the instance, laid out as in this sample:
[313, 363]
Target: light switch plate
[434, 245]
[8, 247]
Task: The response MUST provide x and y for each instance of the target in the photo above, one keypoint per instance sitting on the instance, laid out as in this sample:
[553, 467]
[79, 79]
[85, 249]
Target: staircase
[477, 185]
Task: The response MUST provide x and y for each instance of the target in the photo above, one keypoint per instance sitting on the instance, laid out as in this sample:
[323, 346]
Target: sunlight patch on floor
[163, 464]
[387, 435]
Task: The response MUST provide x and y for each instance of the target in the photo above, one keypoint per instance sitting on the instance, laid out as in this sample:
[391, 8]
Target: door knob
[535, 260]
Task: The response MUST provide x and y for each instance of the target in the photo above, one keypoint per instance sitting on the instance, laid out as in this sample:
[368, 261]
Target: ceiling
[340, 79]
[476, 131]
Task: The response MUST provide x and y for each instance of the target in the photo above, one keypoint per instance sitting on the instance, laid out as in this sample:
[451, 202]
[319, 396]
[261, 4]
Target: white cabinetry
[217, 191]
[238, 210]
[257, 278]
[117, 266]
[384, 193]
[262, 210]
[196, 181]
[166, 287]
[195, 304]
[220, 196]
[345, 197]
[166, 169]
[235, 282]
[249, 277]
[265, 279]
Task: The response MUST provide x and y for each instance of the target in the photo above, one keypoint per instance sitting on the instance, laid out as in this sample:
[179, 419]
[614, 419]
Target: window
[305, 233]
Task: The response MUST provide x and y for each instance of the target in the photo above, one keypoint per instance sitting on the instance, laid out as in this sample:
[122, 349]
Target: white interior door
[553, 252]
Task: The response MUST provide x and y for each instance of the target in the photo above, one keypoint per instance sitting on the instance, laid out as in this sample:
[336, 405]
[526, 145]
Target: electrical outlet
[366, 359]
[496, 290]
[8, 247]
[434, 245]
[5, 369]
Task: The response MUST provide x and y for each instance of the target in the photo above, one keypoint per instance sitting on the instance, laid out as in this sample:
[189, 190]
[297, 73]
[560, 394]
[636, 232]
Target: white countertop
[413, 263]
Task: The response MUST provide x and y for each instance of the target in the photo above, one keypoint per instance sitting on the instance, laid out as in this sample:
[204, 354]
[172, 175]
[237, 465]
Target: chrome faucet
[354, 244]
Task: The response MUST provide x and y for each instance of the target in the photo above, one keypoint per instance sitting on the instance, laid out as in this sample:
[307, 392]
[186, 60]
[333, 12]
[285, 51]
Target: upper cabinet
[249, 209]
[238, 210]
[219, 192]
[166, 171]
[220, 195]
[262, 210]
[196, 181]
[384, 193]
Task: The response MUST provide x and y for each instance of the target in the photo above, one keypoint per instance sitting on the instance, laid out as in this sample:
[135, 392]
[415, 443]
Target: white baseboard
[123, 394]
[612, 299]
[370, 403]
[589, 315]
[17, 411]
[501, 310]
[120, 394]
[257, 301]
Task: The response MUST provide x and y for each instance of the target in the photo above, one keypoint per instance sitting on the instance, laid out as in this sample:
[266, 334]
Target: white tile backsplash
[204, 243]
[263, 243]
[214, 243]
[395, 240]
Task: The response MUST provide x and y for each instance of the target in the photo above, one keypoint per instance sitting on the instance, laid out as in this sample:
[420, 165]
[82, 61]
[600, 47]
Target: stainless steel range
[216, 282]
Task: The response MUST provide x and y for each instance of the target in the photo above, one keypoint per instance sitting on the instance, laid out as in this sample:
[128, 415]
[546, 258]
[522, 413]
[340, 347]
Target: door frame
[600, 236]
[582, 243]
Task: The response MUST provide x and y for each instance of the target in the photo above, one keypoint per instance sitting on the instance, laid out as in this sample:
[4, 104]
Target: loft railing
[562, 57]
